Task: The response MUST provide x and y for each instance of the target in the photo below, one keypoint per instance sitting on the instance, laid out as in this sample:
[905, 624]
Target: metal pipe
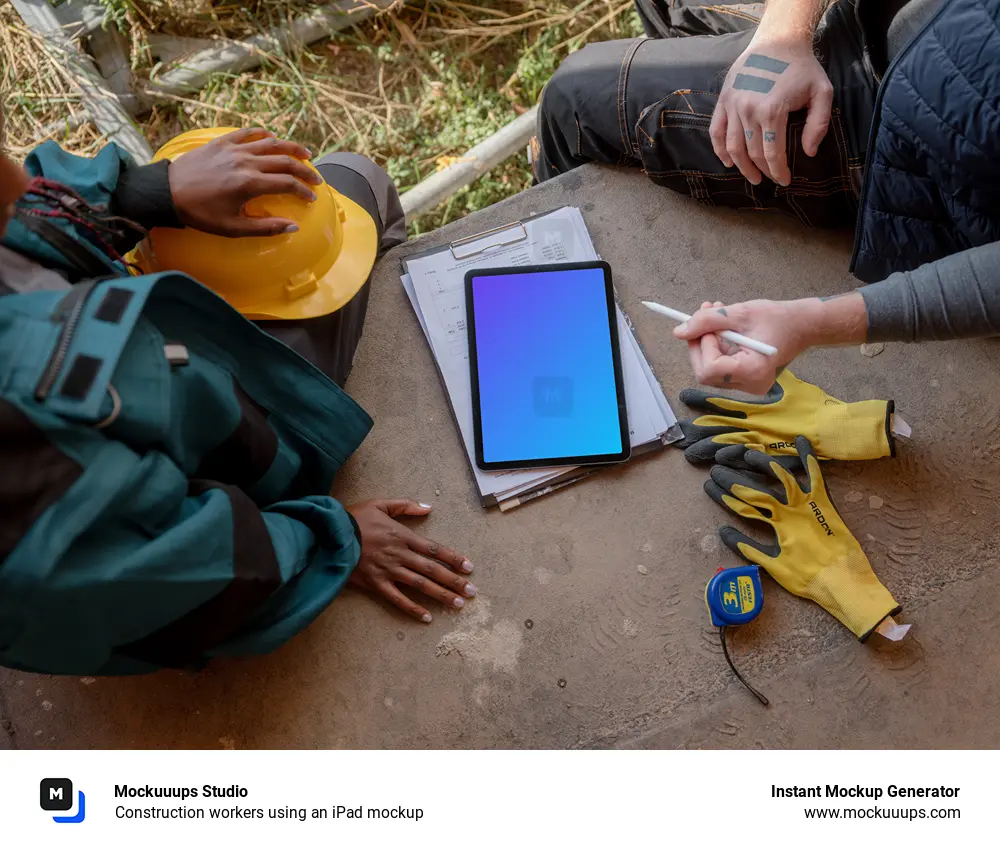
[470, 167]
[104, 107]
[80, 18]
[192, 73]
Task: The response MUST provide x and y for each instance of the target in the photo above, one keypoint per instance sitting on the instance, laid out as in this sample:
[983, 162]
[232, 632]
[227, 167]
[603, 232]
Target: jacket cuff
[354, 522]
[143, 195]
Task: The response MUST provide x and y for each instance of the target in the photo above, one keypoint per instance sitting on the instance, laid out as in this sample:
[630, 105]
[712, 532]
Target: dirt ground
[571, 645]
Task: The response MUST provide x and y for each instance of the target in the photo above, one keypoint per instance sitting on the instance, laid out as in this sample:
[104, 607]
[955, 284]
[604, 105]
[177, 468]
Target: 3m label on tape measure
[738, 597]
[747, 599]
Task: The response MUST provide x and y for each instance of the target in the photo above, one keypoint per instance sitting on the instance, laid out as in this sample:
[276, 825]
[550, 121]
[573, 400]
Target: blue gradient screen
[545, 366]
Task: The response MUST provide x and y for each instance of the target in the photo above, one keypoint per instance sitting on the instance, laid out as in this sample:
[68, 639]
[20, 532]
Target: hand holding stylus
[786, 325]
[731, 336]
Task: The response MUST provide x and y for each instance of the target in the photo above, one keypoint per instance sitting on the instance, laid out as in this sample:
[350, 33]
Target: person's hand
[719, 363]
[392, 554]
[13, 183]
[770, 79]
[211, 184]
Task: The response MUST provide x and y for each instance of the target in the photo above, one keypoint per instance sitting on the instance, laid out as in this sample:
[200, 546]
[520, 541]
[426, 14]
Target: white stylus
[732, 336]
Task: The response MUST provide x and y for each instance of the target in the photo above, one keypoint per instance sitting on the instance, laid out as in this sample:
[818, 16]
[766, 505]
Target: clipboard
[504, 236]
[499, 242]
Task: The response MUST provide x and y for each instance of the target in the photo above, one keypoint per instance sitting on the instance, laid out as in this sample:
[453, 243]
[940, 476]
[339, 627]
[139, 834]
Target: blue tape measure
[734, 596]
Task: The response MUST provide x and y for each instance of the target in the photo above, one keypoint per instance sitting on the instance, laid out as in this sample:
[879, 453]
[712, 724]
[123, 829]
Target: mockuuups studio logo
[56, 795]
[552, 396]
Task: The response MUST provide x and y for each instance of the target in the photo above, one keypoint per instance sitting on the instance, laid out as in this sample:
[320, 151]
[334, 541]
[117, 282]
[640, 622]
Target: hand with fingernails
[776, 75]
[394, 555]
[790, 326]
[211, 184]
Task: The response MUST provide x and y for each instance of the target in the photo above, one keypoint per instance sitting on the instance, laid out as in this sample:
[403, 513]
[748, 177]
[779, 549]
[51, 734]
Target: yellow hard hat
[300, 275]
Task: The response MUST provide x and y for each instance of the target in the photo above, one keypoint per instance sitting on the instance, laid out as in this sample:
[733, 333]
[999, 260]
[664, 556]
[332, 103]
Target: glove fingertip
[719, 474]
[804, 449]
[732, 456]
[732, 538]
[689, 432]
[714, 492]
[700, 452]
[755, 457]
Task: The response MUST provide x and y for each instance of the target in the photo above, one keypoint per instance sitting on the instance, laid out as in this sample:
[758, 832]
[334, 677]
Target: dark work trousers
[648, 103]
[330, 342]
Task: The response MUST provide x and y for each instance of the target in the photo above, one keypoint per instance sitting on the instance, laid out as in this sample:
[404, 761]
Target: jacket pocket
[137, 407]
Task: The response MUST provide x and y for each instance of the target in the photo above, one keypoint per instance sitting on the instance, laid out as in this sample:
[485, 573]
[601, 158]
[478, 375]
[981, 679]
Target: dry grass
[37, 93]
[412, 88]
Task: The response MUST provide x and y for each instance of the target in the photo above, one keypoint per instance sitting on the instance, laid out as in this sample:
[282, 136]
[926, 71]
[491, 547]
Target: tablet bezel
[470, 313]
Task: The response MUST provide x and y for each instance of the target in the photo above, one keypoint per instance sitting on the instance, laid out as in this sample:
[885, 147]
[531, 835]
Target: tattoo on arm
[750, 82]
[749, 134]
[727, 378]
[769, 135]
[765, 63]
[722, 310]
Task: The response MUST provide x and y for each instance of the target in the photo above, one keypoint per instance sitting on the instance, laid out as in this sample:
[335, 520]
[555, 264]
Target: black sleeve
[357, 528]
[143, 195]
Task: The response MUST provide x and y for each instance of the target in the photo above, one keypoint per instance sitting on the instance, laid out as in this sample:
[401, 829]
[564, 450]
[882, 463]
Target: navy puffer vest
[932, 181]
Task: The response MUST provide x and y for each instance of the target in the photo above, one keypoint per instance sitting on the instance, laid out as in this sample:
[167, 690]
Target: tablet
[546, 369]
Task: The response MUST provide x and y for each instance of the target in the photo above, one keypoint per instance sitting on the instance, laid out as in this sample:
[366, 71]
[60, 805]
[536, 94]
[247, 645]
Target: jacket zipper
[876, 122]
[74, 304]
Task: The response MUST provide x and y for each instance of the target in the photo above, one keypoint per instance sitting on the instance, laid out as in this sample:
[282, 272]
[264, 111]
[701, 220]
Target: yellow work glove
[815, 556]
[860, 430]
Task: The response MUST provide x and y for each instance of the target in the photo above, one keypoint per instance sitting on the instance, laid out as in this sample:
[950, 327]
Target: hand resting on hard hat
[211, 184]
[392, 555]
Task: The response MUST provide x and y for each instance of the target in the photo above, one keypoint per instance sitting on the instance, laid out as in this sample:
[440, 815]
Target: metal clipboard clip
[502, 242]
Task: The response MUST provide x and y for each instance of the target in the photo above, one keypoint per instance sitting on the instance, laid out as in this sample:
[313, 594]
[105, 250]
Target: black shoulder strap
[85, 263]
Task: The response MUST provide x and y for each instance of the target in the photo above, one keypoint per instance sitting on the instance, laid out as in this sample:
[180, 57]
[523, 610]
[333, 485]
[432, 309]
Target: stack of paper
[435, 284]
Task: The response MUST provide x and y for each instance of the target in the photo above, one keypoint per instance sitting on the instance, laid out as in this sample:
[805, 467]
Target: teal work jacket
[164, 467]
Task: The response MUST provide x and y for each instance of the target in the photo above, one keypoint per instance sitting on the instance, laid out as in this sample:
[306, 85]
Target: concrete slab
[614, 656]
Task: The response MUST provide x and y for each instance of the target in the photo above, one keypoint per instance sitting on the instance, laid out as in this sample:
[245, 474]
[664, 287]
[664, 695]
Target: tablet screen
[544, 353]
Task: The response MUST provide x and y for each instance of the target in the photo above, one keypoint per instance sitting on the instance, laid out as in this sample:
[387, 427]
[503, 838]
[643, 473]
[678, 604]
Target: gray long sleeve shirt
[956, 297]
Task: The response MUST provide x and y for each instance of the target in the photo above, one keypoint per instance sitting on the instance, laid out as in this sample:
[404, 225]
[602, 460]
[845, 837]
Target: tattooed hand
[719, 363]
[770, 79]
[790, 326]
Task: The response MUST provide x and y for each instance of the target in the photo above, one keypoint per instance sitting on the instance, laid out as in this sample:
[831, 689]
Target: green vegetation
[413, 88]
